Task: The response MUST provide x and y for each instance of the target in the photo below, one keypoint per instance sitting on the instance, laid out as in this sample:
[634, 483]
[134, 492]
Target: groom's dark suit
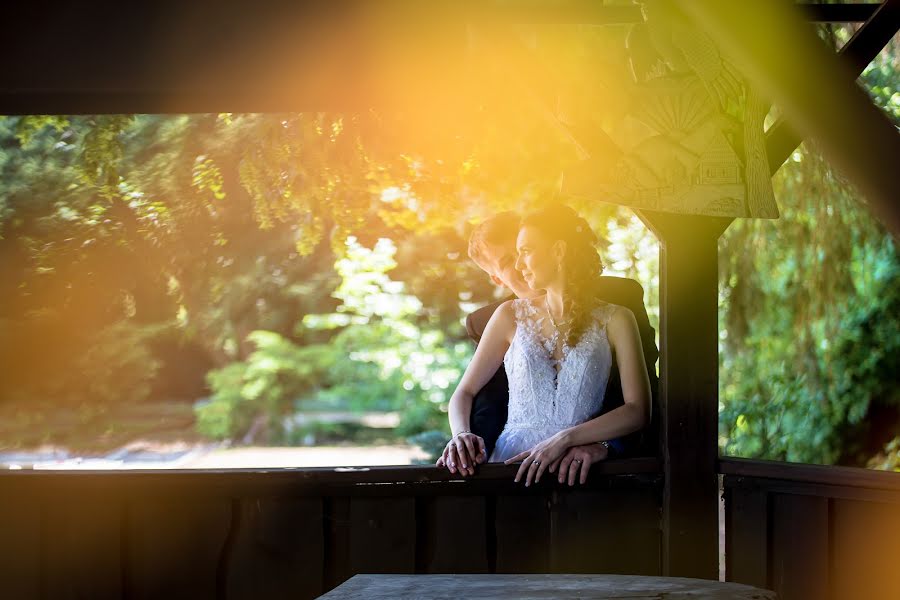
[489, 409]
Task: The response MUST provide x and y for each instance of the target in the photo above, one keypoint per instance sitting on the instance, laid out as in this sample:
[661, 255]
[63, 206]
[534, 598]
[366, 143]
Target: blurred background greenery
[228, 276]
[809, 314]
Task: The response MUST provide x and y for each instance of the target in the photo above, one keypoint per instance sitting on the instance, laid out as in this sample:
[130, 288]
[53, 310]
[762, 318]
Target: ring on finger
[578, 460]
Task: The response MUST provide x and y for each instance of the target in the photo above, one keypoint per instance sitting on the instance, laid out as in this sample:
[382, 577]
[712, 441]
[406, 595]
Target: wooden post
[689, 395]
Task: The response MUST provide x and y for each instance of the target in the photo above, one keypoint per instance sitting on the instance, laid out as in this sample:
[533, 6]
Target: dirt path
[321, 456]
[210, 456]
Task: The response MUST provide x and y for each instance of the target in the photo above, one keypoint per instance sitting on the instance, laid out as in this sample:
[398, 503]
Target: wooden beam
[836, 13]
[858, 52]
[815, 90]
[822, 474]
[590, 12]
[494, 477]
[689, 389]
[169, 56]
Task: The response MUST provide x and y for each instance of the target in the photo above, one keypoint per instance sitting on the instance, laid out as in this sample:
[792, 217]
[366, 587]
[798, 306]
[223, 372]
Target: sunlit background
[248, 290]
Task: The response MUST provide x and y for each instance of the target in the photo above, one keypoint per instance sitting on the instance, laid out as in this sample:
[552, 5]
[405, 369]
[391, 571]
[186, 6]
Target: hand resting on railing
[573, 465]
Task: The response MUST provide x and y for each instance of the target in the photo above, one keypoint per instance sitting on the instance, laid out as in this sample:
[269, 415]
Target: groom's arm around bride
[489, 409]
[492, 247]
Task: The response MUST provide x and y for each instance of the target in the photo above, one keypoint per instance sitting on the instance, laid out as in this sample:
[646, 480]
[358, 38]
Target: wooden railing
[295, 533]
[811, 532]
[804, 531]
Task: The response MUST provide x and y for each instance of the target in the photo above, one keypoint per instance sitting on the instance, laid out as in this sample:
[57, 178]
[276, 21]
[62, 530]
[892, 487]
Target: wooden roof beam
[858, 52]
[170, 56]
[815, 89]
[592, 12]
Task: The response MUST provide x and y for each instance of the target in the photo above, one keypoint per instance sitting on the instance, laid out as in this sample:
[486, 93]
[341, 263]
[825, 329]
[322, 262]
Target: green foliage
[867, 347]
[119, 364]
[810, 324]
[208, 177]
[379, 359]
[28, 126]
[116, 366]
[810, 317]
[274, 374]
[319, 261]
[101, 152]
[229, 411]
[889, 458]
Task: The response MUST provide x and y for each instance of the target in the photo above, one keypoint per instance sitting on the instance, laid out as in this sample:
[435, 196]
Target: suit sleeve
[473, 333]
[489, 406]
[478, 320]
[635, 297]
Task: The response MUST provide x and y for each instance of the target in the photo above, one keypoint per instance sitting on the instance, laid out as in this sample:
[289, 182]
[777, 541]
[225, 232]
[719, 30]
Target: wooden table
[543, 587]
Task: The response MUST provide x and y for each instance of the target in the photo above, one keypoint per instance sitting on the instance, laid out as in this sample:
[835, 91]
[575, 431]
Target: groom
[492, 246]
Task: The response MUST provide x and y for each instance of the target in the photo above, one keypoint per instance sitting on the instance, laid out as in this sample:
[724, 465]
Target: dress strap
[603, 313]
[526, 312]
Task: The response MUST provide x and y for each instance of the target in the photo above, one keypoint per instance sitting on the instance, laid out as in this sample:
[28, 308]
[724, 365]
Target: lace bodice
[543, 402]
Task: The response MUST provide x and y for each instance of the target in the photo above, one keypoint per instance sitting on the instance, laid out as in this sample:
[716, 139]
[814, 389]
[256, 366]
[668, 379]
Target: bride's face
[539, 258]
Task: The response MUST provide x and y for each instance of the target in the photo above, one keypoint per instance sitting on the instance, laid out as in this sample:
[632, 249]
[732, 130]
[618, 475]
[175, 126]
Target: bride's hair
[581, 263]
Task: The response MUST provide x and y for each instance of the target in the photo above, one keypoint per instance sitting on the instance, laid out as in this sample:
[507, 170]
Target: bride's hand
[462, 453]
[541, 456]
[578, 459]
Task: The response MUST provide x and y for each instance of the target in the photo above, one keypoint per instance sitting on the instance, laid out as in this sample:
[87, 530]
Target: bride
[557, 350]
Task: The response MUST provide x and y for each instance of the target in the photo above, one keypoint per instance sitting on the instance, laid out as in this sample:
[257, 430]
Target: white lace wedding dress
[543, 402]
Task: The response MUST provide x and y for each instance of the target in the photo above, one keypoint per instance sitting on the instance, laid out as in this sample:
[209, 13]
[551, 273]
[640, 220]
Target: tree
[810, 314]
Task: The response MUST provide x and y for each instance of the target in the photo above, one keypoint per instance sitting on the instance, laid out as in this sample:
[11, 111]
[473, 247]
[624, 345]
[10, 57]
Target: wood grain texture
[865, 546]
[278, 550]
[689, 371]
[196, 47]
[746, 536]
[337, 541]
[383, 535]
[174, 547]
[319, 481]
[296, 534]
[456, 534]
[800, 473]
[527, 587]
[20, 538]
[606, 532]
[879, 27]
[83, 548]
[522, 529]
[799, 547]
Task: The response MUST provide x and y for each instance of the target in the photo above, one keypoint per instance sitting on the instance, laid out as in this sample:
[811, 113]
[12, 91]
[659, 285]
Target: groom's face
[501, 266]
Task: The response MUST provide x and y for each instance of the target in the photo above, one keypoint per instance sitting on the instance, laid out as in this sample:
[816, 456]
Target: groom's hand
[537, 460]
[462, 453]
[577, 461]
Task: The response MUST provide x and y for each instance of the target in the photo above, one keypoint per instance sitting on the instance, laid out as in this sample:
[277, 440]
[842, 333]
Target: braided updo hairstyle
[581, 264]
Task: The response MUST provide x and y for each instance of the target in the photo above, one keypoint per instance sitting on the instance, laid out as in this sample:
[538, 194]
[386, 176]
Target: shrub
[276, 372]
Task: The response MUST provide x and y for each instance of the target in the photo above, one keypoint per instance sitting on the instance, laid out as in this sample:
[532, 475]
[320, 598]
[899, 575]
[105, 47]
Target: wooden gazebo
[803, 531]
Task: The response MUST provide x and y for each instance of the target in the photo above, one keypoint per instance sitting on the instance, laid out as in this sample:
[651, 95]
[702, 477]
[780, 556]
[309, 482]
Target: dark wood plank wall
[21, 530]
[276, 544]
[810, 531]
[298, 533]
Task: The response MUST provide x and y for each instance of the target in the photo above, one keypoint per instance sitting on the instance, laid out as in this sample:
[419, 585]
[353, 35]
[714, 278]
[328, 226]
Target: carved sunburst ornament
[692, 140]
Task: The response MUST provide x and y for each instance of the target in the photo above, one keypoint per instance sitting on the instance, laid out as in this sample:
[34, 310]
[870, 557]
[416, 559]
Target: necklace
[551, 346]
[550, 314]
